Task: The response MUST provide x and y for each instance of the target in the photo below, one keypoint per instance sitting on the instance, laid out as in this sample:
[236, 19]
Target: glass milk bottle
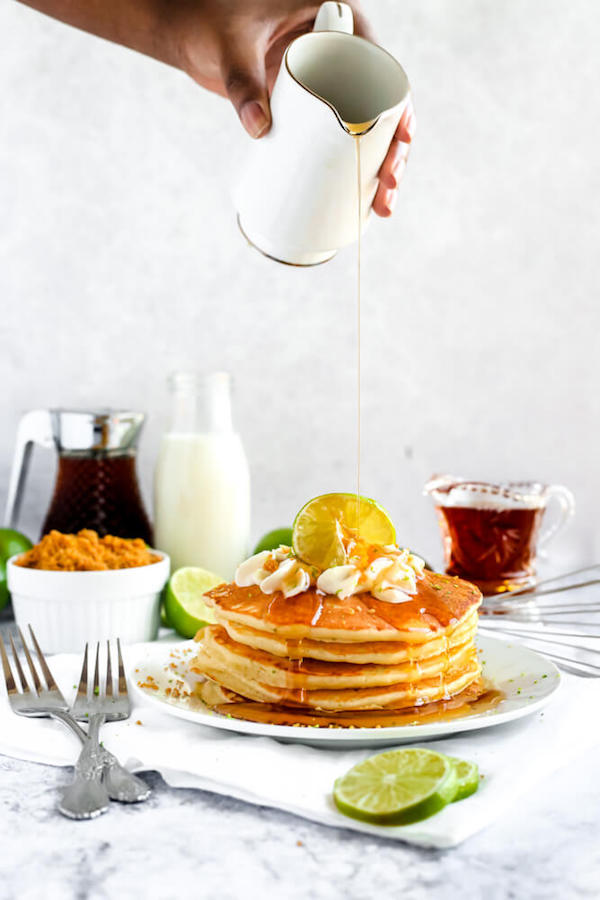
[202, 482]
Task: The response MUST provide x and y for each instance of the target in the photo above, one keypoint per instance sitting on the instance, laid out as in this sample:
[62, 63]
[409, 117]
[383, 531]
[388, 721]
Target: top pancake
[440, 603]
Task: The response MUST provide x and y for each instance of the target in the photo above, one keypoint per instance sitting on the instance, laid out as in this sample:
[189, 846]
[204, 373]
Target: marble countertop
[196, 842]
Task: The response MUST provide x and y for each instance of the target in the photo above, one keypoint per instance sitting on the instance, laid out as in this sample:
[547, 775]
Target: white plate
[527, 680]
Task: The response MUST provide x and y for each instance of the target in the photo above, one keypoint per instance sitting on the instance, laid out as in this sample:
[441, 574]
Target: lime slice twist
[322, 524]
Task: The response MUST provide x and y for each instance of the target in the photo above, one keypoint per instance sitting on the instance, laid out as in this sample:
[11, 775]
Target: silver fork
[103, 704]
[47, 700]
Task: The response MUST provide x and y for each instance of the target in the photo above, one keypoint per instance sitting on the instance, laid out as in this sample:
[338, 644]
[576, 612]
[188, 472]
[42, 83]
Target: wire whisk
[566, 632]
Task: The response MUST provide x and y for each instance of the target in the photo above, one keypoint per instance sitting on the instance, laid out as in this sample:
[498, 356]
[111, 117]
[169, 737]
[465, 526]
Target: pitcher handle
[35, 427]
[566, 504]
[334, 17]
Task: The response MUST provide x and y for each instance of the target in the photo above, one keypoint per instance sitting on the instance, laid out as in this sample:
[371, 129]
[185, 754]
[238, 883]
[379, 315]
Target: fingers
[394, 165]
[407, 125]
[384, 201]
[245, 80]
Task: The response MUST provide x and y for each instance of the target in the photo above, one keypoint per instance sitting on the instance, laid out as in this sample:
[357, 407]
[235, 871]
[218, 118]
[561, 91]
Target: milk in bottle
[202, 482]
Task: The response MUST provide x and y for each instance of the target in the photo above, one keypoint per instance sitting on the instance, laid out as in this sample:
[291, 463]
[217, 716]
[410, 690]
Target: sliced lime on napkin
[397, 787]
[468, 777]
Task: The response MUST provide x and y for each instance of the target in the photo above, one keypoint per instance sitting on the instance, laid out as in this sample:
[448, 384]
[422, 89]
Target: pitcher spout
[358, 80]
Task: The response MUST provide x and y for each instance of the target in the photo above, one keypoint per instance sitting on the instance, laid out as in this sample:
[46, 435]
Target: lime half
[273, 539]
[185, 607]
[397, 787]
[468, 777]
[322, 523]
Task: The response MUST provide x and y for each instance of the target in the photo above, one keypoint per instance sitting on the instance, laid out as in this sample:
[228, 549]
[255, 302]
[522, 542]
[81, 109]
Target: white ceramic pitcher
[297, 197]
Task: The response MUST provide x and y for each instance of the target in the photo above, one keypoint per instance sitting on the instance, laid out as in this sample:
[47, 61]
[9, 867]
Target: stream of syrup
[359, 229]
[357, 129]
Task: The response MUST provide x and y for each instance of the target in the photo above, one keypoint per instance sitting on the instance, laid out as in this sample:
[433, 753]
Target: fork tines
[40, 688]
[90, 697]
[23, 685]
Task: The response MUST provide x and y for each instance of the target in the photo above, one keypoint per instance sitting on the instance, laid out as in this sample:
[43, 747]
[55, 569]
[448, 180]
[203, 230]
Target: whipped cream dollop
[387, 573]
[275, 570]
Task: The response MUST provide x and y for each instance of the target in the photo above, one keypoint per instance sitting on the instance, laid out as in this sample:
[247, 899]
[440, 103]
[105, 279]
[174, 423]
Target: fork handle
[121, 784]
[87, 796]
[68, 720]
[118, 782]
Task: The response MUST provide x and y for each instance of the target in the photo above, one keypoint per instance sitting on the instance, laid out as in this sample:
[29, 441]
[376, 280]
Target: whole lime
[272, 539]
[11, 543]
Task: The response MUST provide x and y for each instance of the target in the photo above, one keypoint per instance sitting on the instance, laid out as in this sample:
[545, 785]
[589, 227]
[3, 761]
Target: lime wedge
[468, 777]
[321, 524]
[185, 608]
[273, 539]
[397, 787]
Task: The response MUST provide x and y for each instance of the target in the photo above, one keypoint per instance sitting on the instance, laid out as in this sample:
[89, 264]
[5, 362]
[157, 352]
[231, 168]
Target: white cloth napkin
[513, 758]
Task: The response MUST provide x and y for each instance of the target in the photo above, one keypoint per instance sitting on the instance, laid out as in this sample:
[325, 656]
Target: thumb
[245, 81]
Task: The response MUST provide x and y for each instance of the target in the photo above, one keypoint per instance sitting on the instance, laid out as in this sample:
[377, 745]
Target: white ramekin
[66, 609]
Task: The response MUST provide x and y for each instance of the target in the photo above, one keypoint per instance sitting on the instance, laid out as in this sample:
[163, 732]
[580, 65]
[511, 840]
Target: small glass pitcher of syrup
[96, 483]
[491, 532]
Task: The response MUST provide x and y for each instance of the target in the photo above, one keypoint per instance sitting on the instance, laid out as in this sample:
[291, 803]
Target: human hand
[234, 48]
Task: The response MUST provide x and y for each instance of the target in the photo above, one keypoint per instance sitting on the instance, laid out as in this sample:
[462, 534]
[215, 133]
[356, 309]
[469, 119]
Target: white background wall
[120, 260]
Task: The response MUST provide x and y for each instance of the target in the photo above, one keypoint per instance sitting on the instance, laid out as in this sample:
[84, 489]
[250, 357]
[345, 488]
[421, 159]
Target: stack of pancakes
[319, 653]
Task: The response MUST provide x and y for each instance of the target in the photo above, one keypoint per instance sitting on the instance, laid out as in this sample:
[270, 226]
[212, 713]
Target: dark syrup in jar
[100, 492]
[494, 548]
